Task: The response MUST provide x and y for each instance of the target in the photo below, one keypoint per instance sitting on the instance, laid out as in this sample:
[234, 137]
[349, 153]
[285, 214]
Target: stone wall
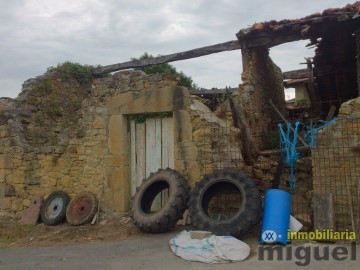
[301, 95]
[217, 141]
[336, 160]
[56, 135]
[262, 81]
[59, 134]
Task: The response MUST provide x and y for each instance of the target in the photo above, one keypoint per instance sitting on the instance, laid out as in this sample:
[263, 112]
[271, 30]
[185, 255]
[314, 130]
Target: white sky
[36, 34]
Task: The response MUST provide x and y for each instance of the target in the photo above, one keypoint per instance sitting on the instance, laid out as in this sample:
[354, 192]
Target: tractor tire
[173, 209]
[81, 209]
[243, 218]
[53, 210]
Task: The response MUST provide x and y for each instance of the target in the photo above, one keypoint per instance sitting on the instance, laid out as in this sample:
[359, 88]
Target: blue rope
[288, 143]
[311, 132]
[289, 140]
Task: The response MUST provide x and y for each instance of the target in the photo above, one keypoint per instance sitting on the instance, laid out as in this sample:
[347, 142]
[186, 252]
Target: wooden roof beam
[227, 46]
[296, 74]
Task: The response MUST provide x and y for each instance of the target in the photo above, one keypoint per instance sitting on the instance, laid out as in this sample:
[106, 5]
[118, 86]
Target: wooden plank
[296, 74]
[133, 157]
[349, 198]
[226, 46]
[331, 113]
[150, 146]
[323, 211]
[158, 202]
[167, 157]
[167, 148]
[158, 146]
[140, 153]
[153, 145]
[283, 118]
[300, 149]
[153, 153]
[270, 40]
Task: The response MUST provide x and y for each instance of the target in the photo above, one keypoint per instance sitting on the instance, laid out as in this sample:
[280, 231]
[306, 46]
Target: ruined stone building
[115, 130]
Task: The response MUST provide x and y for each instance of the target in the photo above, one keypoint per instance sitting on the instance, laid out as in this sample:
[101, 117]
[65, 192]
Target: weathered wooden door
[152, 148]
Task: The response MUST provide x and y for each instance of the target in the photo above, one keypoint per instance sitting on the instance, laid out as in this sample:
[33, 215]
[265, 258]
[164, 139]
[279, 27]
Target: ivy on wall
[141, 117]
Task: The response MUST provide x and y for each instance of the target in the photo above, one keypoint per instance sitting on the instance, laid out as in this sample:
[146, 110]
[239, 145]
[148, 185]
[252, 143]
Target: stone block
[3, 133]
[6, 190]
[55, 175]
[183, 127]
[113, 160]
[66, 181]
[137, 86]
[118, 192]
[258, 174]
[157, 100]
[5, 203]
[17, 177]
[118, 139]
[5, 162]
[95, 189]
[2, 175]
[99, 122]
[26, 202]
[17, 163]
[16, 205]
[31, 215]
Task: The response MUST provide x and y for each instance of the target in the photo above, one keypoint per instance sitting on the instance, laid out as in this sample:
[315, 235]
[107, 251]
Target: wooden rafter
[227, 46]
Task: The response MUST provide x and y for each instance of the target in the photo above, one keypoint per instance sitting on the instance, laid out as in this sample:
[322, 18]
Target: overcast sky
[36, 34]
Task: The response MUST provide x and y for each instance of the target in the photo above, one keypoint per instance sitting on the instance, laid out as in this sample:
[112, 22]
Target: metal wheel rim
[54, 208]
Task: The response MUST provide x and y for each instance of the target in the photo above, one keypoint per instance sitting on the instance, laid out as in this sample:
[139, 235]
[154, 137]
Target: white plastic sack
[214, 249]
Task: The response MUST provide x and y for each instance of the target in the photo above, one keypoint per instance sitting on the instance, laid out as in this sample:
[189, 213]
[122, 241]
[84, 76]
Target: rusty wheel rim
[80, 208]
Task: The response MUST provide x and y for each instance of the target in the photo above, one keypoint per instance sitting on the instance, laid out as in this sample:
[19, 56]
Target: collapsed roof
[273, 33]
[334, 33]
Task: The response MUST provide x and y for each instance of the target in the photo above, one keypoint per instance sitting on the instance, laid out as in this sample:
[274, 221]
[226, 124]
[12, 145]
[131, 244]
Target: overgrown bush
[185, 80]
[82, 73]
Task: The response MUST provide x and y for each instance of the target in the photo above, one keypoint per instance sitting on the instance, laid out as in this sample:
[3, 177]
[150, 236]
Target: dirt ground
[13, 234]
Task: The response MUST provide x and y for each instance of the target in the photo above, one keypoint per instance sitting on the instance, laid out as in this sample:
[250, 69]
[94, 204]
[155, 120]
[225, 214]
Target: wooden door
[152, 148]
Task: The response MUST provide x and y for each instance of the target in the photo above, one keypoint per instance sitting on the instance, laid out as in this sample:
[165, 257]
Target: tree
[185, 80]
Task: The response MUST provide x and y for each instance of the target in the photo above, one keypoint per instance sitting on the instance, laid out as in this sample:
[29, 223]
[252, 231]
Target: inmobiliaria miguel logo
[302, 254]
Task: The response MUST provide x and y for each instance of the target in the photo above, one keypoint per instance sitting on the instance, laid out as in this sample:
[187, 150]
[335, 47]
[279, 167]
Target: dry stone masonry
[60, 134]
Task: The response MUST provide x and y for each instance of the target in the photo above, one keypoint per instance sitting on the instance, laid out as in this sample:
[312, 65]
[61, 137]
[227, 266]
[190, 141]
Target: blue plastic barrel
[276, 217]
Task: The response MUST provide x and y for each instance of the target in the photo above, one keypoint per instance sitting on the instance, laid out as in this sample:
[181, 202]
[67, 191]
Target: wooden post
[284, 119]
[249, 149]
[349, 197]
[323, 211]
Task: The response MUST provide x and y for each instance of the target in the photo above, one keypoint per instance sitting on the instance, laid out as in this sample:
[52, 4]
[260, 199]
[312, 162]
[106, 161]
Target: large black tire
[164, 219]
[53, 210]
[81, 209]
[244, 217]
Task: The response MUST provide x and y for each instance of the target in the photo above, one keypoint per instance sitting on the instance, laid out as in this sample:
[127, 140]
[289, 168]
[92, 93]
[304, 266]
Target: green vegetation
[141, 117]
[45, 87]
[185, 80]
[82, 73]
